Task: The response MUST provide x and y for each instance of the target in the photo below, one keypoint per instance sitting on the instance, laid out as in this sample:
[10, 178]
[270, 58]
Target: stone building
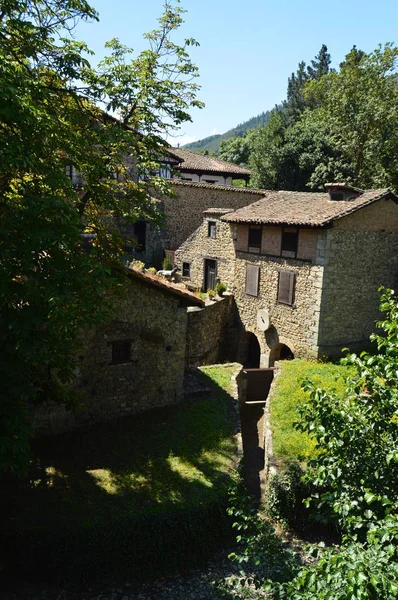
[200, 168]
[135, 361]
[304, 268]
[182, 214]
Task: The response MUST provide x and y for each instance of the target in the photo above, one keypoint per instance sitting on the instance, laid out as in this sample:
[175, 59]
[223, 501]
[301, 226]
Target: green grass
[130, 498]
[289, 444]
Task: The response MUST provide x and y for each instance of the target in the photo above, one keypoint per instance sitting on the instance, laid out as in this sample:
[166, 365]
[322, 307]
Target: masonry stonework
[155, 324]
[210, 333]
[361, 254]
[199, 247]
[184, 213]
[295, 326]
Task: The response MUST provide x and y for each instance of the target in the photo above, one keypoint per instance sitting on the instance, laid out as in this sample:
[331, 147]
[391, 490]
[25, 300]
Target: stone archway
[249, 351]
[280, 352]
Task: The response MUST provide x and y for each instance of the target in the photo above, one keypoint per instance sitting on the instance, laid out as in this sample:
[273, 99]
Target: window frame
[127, 346]
[289, 253]
[212, 226]
[254, 248]
[184, 264]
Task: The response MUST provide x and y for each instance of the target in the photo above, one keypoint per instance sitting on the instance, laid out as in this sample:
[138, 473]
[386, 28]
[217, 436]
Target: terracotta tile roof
[191, 161]
[166, 286]
[215, 186]
[312, 209]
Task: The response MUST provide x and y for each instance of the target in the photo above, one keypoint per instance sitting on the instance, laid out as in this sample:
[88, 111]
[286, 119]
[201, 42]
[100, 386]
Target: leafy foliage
[261, 554]
[50, 287]
[357, 466]
[334, 126]
[357, 436]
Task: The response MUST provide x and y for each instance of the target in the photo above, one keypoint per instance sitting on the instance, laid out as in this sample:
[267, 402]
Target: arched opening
[280, 352]
[253, 352]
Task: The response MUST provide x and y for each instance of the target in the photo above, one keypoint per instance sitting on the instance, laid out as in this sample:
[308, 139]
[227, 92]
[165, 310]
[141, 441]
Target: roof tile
[313, 209]
[207, 164]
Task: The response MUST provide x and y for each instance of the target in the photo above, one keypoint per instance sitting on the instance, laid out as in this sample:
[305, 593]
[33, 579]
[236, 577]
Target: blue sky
[248, 48]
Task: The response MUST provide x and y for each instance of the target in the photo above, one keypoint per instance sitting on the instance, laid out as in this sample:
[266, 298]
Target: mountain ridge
[212, 143]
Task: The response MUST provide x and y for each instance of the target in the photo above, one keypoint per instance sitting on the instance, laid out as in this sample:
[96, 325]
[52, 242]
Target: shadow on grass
[127, 499]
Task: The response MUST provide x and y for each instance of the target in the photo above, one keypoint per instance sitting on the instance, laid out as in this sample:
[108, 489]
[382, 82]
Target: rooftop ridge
[225, 188]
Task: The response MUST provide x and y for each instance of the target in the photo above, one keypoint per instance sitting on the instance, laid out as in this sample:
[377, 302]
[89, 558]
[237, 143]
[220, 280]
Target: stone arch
[249, 352]
[280, 352]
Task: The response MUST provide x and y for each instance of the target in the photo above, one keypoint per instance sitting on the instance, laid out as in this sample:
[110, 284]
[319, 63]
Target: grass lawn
[288, 394]
[131, 498]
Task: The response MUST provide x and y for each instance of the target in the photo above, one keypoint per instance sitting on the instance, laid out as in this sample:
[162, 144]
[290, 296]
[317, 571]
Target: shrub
[285, 495]
[167, 263]
[221, 288]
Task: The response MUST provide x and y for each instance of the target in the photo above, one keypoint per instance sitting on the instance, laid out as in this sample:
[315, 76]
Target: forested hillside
[212, 143]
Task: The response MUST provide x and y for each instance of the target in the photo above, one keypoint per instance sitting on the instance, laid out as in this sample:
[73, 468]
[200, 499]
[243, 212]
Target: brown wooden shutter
[286, 286]
[252, 279]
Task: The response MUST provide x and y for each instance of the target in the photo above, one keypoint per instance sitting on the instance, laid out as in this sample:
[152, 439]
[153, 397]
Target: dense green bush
[285, 496]
[356, 467]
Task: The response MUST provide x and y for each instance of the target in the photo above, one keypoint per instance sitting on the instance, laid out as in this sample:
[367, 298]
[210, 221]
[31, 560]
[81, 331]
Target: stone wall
[357, 264]
[297, 325]
[360, 255]
[200, 246]
[155, 323]
[184, 213]
[210, 333]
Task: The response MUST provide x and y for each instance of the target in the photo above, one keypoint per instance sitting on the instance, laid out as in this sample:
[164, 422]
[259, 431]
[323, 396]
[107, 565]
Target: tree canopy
[53, 114]
[334, 126]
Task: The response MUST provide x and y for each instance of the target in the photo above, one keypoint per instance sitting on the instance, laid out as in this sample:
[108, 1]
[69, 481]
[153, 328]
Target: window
[211, 230]
[140, 234]
[210, 181]
[186, 269]
[121, 352]
[336, 196]
[286, 287]
[255, 233]
[252, 279]
[289, 242]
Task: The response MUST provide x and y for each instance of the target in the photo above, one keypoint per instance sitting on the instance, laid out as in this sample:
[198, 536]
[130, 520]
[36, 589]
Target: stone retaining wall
[209, 333]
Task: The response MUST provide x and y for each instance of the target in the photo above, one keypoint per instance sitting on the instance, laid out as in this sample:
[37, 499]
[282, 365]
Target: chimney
[342, 191]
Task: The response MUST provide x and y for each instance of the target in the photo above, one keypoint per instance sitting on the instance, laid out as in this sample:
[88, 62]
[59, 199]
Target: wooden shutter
[252, 279]
[286, 286]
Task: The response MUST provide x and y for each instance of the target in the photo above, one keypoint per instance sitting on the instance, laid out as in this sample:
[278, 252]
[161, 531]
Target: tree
[320, 66]
[51, 116]
[357, 435]
[237, 149]
[359, 106]
[356, 471]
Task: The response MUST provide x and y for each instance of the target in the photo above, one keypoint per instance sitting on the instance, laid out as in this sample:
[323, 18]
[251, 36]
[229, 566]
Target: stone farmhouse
[200, 168]
[135, 361]
[304, 268]
[192, 175]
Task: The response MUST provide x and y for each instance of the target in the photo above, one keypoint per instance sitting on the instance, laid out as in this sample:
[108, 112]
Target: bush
[167, 263]
[221, 288]
[285, 497]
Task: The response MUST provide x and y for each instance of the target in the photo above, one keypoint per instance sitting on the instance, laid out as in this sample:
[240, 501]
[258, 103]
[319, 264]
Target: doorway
[280, 352]
[210, 274]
